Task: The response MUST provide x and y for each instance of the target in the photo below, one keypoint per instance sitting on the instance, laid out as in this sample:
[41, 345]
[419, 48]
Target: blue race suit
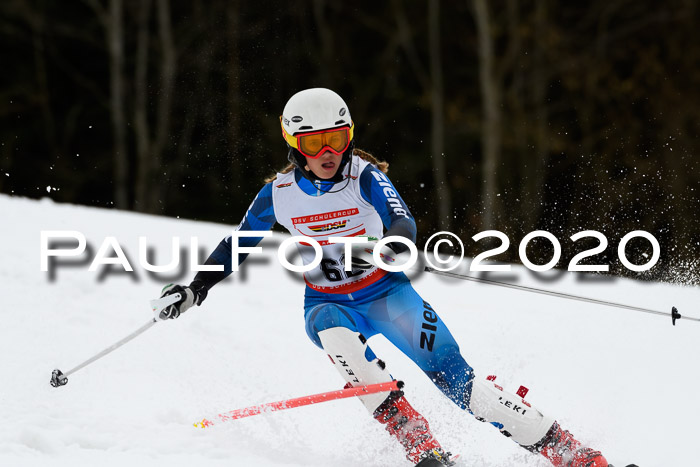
[390, 306]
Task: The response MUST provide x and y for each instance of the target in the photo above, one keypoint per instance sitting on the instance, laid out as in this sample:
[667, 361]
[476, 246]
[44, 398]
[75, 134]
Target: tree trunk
[115, 39]
[167, 84]
[141, 127]
[536, 176]
[325, 41]
[518, 120]
[491, 127]
[37, 23]
[233, 37]
[196, 109]
[437, 145]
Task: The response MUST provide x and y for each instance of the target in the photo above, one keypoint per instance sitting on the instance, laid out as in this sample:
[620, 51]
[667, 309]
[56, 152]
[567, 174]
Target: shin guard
[348, 352]
[510, 413]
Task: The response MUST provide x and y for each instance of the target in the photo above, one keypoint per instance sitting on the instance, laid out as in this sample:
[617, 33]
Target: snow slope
[622, 381]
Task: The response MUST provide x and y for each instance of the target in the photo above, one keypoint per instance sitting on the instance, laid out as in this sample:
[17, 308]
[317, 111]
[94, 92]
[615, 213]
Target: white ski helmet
[314, 111]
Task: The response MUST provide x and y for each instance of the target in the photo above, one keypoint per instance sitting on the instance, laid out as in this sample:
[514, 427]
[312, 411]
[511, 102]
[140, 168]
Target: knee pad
[508, 412]
[355, 362]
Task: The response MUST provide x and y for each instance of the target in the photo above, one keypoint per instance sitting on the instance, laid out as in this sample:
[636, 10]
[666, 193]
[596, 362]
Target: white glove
[194, 294]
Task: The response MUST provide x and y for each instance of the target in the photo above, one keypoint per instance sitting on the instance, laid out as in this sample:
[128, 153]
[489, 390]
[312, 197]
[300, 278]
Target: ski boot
[411, 429]
[563, 450]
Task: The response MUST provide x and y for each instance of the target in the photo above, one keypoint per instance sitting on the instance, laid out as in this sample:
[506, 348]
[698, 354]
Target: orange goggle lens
[312, 144]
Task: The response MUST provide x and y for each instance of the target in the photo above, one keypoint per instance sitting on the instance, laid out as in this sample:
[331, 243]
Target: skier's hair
[381, 165]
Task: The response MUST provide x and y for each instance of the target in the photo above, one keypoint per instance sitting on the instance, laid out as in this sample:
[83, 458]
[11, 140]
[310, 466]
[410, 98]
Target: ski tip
[203, 424]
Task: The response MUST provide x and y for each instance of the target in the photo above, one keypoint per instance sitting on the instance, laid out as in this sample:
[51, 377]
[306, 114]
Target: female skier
[331, 189]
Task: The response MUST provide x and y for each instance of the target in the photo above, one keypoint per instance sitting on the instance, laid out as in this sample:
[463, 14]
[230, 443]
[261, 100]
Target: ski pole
[675, 315]
[58, 378]
[301, 401]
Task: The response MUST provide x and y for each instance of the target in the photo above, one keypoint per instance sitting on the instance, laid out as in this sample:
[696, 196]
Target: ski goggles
[313, 144]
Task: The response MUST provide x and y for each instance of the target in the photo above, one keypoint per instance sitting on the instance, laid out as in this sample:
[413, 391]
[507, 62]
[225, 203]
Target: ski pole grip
[159, 304]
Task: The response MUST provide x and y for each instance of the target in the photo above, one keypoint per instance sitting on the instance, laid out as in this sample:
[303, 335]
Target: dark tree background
[507, 114]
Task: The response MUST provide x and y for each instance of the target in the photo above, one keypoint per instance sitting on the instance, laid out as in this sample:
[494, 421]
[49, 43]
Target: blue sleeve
[260, 216]
[377, 189]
